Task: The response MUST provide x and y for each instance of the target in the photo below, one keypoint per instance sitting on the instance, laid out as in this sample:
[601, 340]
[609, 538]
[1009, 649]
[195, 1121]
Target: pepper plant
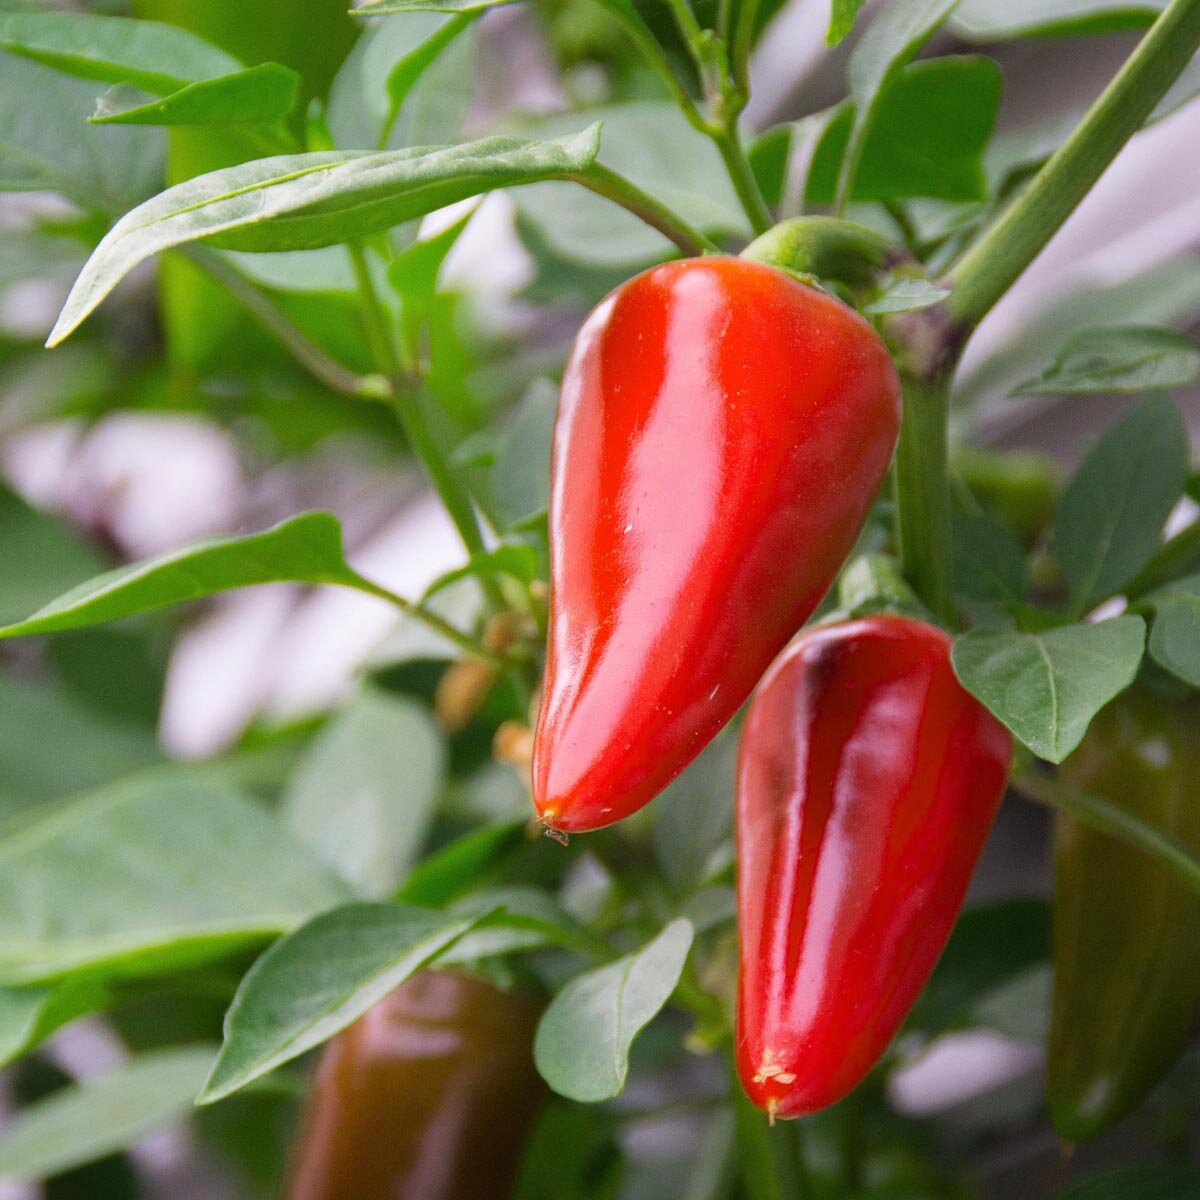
[375, 870]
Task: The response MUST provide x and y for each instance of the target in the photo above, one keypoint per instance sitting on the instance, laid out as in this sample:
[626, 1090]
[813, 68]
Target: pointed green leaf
[304, 201]
[842, 15]
[91, 1120]
[363, 795]
[383, 8]
[1111, 518]
[30, 1015]
[1122, 358]
[313, 983]
[155, 872]
[583, 1040]
[1046, 687]
[1002, 20]
[1175, 632]
[1176, 1182]
[907, 294]
[304, 549]
[257, 95]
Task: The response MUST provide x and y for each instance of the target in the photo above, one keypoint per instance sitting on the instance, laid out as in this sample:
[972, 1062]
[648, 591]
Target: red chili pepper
[429, 1096]
[722, 433]
[867, 782]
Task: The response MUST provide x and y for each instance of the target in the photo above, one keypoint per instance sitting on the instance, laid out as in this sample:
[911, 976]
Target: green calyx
[828, 250]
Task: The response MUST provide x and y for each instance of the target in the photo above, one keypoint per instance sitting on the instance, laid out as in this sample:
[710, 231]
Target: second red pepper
[722, 433]
[867, 782]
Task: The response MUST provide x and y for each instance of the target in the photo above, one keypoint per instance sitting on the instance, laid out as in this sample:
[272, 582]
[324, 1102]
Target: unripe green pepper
[205, 329]
[1126, 931]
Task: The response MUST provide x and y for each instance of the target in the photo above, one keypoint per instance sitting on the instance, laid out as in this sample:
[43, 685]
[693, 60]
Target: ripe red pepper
[867, 781]
[722, 432]
[429, 1096]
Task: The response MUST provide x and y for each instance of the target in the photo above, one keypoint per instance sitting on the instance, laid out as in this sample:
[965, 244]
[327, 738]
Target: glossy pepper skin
[868, 779]
[1126, 932]
[722, 432]
[429, 1096]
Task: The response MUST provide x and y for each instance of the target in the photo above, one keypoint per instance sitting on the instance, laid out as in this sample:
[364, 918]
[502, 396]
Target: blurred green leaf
[1113, 510]
[379, 8]
[462, 864]
[363, 795]
[1046, 687]
[304, 549]
[991, 945]
[316, 981]
[1123, 358]
[906, 294]
[532, 919]
[30, 1015]
[929, 126]
[303, 201]
[583, 1040]
[1175, 632]
[155, 57]
[1139, 1183]
[90, 1120]
[693, 818]
[1002, 20]
[46, 145]
[520, 476]
[842, 15]
[893, 37]
[407, 82]
[147, 875]
[414, 272]
[987, 560]
[257, 95]
[518, 560]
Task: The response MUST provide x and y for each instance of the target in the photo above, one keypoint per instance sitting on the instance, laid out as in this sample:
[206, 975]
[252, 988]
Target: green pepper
[205, 329]
[1126, 931]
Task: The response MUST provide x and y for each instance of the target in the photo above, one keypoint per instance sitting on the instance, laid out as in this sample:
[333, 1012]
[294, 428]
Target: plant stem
[993, 263]
[728, 141]
[453, 496]
[922, 493]
[1101, 815]
[756, 1151]
[305, 351]
[607, 183]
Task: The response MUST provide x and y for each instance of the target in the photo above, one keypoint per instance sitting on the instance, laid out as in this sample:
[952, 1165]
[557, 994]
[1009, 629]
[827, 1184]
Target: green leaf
[988, 561]
[928, 128]
[407, 82]
[842, 15]
[990, 947]
[155, 57]
[1112, 514]
[304, 201]
[304, 549]
[414, 272]
[94, 1119]
[30, 1015]
[257, 95]
[316, 981]
[462, 864]
[363, 795]
[1175, 633]
[155, 872]
[1128, 358]
[518, 560]
[1002, 20]
[896, 34]
[531, 919]
[520, 476]
[381, 8]
[693, 819]
[907, 294]
[1139, 1183]
[583, 1040]
[1046, 687]
[47, 146]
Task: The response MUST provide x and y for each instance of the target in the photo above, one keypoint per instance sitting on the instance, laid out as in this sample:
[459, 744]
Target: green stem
[431, 620]
[994, 263]
[923, 494]
[302, 348]
[1105, 817]
[756, 1150]
[453, 496]
[728, 141]
[607, 183]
